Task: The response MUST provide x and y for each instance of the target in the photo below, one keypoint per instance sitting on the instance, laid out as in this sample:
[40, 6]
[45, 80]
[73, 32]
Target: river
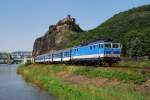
[13, 87]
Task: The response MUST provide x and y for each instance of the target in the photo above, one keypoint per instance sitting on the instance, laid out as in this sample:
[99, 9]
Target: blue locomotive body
[99, 51]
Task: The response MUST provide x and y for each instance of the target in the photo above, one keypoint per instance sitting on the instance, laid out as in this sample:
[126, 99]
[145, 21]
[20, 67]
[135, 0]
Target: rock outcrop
[56, 37]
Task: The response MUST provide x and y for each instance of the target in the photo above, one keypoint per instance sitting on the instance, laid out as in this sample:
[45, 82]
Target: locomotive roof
[102, 40]
[91, 43]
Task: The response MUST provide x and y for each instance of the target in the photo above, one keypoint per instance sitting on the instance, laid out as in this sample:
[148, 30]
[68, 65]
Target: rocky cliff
[57, 36]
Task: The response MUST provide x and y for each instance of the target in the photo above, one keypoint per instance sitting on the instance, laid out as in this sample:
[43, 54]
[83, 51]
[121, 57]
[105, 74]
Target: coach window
[91, 47]
[68, 54]
[65, 53]
[102, 46]
[99, 45]
[94, 46]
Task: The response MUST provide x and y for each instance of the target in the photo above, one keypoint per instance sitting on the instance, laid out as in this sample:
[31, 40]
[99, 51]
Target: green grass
[111, 74]
[45, 77]
[137, 78]
[138, 64]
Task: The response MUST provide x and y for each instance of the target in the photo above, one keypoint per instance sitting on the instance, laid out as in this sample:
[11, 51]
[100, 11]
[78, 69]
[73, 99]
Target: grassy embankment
[70, 82]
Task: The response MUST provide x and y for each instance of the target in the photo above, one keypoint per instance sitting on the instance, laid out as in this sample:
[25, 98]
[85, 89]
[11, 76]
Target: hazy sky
[22, 21]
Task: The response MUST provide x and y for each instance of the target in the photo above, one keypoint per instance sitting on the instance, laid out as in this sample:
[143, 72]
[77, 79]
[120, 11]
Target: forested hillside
[131, 28]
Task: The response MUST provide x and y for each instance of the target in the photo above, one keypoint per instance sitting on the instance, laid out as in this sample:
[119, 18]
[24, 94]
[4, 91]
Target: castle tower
[68, 16]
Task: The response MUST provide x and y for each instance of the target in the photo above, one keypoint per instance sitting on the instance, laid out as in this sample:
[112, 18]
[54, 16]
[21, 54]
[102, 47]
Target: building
[19, 56]
[5, 58]
[28, 60]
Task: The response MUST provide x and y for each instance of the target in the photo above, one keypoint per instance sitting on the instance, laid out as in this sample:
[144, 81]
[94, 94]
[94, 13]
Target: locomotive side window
[108, 45]
[101, 46]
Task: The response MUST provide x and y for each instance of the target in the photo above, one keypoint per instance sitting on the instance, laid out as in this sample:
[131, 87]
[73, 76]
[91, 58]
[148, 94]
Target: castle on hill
[57, 36]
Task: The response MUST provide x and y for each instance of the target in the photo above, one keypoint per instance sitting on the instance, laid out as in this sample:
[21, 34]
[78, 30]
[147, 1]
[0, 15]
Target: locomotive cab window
[115, 45]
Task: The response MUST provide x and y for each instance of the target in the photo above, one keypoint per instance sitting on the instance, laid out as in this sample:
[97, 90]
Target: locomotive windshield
[112, 45]
[116, 45]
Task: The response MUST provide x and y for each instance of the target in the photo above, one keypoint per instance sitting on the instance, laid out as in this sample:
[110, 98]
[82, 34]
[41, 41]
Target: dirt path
[79, 79]
[102, 82]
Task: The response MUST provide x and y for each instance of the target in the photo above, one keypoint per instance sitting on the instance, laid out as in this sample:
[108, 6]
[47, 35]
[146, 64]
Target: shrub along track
[77, 82]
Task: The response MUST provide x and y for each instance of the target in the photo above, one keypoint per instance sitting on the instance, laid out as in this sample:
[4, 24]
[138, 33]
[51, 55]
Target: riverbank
[70, 82]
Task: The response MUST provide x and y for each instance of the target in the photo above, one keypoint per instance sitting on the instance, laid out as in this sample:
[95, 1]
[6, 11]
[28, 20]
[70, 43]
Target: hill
[131, 28]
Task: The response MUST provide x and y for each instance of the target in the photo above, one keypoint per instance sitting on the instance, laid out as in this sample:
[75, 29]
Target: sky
[22, 21]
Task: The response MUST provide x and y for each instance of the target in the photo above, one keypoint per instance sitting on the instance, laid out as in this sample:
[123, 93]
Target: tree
[146, 43]
[138, 43]
[134, 44]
